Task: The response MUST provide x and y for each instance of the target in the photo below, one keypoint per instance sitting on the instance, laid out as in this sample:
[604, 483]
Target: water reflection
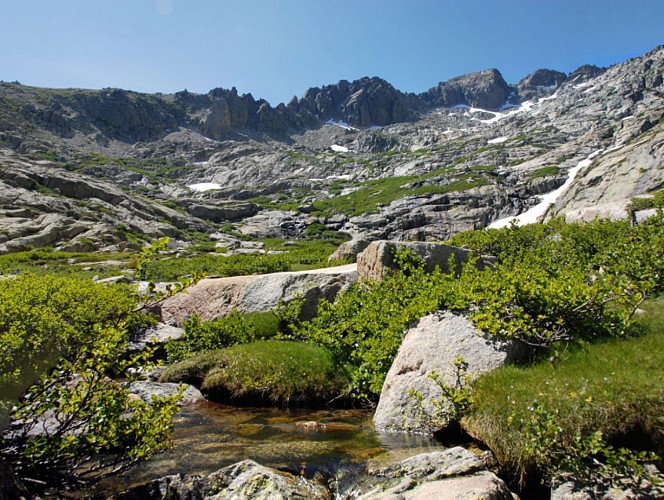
[209, 436]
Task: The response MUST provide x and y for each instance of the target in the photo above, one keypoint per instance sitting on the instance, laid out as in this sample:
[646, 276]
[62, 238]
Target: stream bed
[335, 442]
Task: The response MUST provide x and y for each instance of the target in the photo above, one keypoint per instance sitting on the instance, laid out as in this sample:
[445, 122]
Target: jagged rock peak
[541, 83]
[585, 73]
[364, 102]
[485, 89]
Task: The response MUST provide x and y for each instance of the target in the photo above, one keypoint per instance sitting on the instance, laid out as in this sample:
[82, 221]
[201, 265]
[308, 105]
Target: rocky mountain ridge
[99, 169]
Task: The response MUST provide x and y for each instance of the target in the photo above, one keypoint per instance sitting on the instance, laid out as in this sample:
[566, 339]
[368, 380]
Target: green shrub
[234, 328]
[275, 371]
[45, 317]
[558, 283]
[64, 337]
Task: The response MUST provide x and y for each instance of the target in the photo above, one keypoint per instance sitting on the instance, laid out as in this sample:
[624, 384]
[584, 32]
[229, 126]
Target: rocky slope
[86, 169]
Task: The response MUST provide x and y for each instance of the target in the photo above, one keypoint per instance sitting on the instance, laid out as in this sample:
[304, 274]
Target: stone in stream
[243, 480]
[449, 474]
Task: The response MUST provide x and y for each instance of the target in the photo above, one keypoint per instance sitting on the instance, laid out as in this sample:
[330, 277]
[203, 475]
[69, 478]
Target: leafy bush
[232, 329]
[271, 370]
[558, 283]
[45, 317]
[66, 336]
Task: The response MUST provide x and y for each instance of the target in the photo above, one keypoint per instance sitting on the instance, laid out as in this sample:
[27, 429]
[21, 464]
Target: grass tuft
[615, 387]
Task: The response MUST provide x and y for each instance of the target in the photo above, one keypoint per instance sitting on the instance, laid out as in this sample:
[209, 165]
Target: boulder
[601, 488]
[157, 335]
[214, 298]
[378, 257]
[246, 479]
[433, 345]
[452, 473]
[349, 250]
[145, 390]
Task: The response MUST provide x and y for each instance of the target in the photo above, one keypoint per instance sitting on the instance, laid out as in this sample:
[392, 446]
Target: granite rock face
[430, 346]
[92, 169]
[486, 89]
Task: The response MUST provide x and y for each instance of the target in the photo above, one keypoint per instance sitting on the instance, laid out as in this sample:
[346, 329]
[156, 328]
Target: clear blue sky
[278, 48]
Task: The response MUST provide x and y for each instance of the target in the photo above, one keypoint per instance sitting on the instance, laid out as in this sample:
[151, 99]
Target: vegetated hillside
[104, 169]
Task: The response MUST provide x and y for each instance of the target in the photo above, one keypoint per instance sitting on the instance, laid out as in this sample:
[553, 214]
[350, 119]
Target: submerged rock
[146, 390]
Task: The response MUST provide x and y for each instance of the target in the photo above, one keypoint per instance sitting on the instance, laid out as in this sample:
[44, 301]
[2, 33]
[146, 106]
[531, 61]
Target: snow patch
[532, 215]
[343, 125]
[204, 186]
[339, 149]
[497, 140]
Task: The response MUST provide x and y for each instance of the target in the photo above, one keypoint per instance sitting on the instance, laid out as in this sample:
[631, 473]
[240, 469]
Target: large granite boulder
[243, 480]
[378, 257]
[213, 298]
[433, 345]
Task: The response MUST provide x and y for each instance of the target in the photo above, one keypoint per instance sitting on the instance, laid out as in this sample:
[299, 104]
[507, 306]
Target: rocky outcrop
[222, 211]
[213, 298]
[607, 186]
[433, 345]
[361, 103]
[541, 83]
[44, 205]
[486, 89]
[378, 257]
[450, 474]
[245, 479]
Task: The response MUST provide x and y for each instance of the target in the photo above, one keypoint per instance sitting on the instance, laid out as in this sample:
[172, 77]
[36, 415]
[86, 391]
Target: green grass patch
[297, 256]
[378, 192]
[544, 172]
[615, 387]
[47, 261]
[264, 371]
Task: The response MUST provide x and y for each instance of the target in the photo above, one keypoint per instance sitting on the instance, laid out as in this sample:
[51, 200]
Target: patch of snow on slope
[532, 215]
[343, 125]
[339, 149]
[497, 140]
[204, 186]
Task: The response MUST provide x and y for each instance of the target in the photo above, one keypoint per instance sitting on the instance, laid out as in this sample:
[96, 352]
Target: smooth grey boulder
[214, 298]
[157, 336]
[243, 480]
[145, 390]
[349, 250]
[430, 346]
[378, 257]
[452, 473]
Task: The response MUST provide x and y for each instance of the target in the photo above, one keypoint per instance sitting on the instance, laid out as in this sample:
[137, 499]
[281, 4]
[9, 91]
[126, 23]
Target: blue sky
[275, 49]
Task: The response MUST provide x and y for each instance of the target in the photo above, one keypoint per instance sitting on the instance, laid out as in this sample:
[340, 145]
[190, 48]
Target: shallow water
[209, 436]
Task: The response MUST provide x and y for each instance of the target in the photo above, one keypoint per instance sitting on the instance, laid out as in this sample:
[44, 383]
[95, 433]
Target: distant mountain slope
[91, 169]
